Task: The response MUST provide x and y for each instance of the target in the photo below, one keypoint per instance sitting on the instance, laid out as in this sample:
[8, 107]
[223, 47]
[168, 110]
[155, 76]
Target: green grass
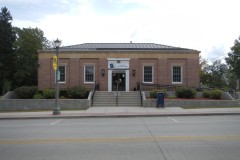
[201, 107]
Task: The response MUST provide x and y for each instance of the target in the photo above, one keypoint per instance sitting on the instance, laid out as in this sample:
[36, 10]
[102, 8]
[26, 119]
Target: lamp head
[103, 72]
[57, 43]
[134, 72]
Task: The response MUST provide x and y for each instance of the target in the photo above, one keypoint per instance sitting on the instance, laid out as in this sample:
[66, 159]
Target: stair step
[102, 98]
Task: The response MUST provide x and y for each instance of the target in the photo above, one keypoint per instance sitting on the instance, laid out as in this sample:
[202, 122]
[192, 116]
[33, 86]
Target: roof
[123, 47]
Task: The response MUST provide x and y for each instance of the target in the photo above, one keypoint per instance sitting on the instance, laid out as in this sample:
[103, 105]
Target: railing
[117, 99]
[117, 94]
[234, 94]
[149, 87]
[95, 88]
[140, 90]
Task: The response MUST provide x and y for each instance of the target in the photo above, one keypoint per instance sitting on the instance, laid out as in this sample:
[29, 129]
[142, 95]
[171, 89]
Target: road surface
[150, 138]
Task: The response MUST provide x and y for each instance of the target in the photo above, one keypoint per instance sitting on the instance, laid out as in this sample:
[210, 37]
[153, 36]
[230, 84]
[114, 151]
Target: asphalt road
[152, 138]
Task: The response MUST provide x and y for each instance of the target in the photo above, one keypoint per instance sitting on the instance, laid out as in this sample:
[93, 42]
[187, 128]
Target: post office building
[127, 63]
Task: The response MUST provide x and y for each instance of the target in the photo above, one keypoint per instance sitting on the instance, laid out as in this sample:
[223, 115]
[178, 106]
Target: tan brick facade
[162, 63]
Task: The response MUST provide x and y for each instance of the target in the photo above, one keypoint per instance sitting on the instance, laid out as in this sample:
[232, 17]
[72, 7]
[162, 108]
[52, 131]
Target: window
[62, 73]
[177, 74]
[88, 74]
[147, 74]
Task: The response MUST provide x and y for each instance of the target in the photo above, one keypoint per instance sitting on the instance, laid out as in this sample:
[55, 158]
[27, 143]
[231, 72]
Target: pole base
[56, 111]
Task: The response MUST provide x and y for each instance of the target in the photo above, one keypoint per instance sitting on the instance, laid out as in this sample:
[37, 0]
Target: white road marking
[55, 122]
[173, 119]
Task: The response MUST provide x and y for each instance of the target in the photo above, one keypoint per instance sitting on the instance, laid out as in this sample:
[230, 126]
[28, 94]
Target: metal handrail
[117, 99]
[94, 90]
[117, 94]
[140, 90]
[118, 81]
[149, 87]
[234, 94]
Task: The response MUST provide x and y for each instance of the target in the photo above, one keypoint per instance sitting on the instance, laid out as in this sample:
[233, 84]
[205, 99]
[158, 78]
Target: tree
[28, 41]
[233, 59]
[215, 75]
[7, 56]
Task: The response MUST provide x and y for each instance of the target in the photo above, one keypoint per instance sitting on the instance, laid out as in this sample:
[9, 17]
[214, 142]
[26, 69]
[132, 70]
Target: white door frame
[110, 80]
[124, 67]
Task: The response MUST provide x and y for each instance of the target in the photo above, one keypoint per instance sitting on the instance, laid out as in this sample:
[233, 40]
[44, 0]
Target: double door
[119, 81]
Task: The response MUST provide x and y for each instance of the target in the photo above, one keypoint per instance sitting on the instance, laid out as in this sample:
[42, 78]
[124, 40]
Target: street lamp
[56, 110]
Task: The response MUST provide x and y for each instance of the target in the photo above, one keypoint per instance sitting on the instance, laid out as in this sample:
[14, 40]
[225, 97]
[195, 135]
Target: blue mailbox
[160, 99]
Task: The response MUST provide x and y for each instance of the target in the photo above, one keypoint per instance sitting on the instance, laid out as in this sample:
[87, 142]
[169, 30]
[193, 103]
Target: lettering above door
[115, 65]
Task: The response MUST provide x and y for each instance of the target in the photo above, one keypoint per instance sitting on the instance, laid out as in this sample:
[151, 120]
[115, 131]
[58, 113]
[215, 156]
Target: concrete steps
[104, 99]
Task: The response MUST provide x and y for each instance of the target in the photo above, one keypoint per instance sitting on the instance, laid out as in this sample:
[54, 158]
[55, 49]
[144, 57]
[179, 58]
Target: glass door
[120, 79]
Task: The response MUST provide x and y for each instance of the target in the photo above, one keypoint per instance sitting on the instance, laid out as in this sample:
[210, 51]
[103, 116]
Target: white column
[109, 80]
[127, 80]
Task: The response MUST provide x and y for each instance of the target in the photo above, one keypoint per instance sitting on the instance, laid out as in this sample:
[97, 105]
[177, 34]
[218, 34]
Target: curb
[117, 115]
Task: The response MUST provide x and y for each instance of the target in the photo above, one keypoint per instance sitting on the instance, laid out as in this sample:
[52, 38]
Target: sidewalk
[121, 112]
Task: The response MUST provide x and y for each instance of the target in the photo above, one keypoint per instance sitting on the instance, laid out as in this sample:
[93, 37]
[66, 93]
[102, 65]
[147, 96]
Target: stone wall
[42, 104]
[192, 103]
[226, 101]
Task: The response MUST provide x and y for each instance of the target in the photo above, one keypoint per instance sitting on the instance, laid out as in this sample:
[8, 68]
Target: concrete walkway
[121, 112]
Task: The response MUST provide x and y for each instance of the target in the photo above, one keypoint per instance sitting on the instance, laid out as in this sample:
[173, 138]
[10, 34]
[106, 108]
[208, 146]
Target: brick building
[104, 63]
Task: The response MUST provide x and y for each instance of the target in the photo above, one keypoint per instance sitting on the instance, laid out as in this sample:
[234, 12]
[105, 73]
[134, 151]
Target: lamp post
[56, 110]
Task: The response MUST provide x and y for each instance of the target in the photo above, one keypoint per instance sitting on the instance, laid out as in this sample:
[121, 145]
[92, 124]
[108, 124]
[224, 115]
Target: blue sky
[210, 26]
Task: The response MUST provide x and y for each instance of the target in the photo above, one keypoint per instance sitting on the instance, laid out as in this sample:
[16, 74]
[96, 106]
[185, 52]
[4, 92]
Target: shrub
[153, 93]
[63, 93]
[48, 93]
[26, 92]
[206, 94]
[216, 94]
[185, 93]
[38, 96]
[77, 92]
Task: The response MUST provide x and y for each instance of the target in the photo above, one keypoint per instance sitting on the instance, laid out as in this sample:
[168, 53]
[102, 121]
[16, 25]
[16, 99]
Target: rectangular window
[88, 74]
[62, 73]
[62, 70]
[177, 74]
[147, 74]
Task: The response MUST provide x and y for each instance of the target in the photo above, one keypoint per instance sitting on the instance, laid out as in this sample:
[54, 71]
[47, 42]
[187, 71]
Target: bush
[206, 94]
[38, 96]
[77, 92]
[26, 92]
[153, 93]
[185, 93]
[48, 93]
[63, 93]
[214, 94]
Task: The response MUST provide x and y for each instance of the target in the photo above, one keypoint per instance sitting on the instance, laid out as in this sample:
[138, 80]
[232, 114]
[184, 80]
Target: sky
[210, 26]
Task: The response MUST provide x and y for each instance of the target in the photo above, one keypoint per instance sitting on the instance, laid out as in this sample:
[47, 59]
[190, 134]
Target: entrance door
[121, 77]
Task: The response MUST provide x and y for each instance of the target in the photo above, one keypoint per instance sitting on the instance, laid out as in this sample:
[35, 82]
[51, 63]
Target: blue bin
[160, 99]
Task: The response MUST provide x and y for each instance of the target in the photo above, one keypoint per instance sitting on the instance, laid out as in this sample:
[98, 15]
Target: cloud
[10, 2]
[35, 10]
[200, 25]
[216, 53]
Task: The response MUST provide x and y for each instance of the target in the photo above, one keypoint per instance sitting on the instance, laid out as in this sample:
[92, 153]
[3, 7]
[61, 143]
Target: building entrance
[118, 70]
[120, 78]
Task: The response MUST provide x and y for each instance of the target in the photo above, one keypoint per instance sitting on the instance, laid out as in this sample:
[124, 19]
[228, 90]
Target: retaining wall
[227, 100]
[192, 103]
[42, 104]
